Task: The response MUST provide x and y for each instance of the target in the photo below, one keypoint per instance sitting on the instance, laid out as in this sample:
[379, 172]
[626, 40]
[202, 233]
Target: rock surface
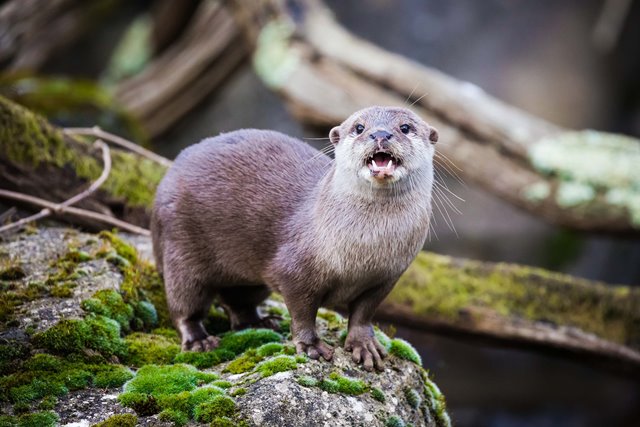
[84, 338]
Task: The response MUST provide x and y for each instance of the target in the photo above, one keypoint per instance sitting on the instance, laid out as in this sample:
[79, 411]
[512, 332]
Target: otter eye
[405, 129]
[359, 129]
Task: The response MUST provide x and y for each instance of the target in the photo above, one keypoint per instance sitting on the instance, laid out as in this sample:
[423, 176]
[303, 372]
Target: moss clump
[204, 359]
[238, 392]
[383, 338]
[223, 422]
[218, 406]
[238, 342]
[413, 397]
[269, 349]
[11, 354]
[48, 403]
[178, 418]
[394, 421]
[277, 364]
[11, 272]
[119, 420]
[143, 404]
[38, 419]
[334, 320]
[337, 383]
[435, 402]
[167, 379]
[110, 376]
[221, 384]
[98, 333]
[404, 350]
[145, 349]
[307, 381]
[378, 394]
[122, 248]
[244, 363]
[109, 303]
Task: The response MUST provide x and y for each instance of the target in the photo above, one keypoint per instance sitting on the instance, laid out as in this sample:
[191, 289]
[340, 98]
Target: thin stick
[55, 208]
[118, 140]
[51, 208]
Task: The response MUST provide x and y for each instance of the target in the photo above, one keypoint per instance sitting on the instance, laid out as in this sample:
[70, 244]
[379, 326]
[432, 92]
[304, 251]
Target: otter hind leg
[189, 301]
[240, 302]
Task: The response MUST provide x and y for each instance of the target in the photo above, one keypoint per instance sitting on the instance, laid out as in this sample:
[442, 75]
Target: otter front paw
[315, 349]
[203, 344]
[365, 348]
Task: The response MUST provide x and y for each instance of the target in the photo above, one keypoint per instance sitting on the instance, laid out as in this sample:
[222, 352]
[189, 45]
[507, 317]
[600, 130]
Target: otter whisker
[445, 214]
[446, 199]
[448, 170]
[418, 100]
[409, 97]
[443, 184]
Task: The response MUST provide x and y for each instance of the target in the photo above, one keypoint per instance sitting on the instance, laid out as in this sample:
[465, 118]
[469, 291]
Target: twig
[51, 208]
[55, 208]
[131, 146]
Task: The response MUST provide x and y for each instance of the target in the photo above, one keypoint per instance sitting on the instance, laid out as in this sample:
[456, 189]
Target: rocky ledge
[85, 340]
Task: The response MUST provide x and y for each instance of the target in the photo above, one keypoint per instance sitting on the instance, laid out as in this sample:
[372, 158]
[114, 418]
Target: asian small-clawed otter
[253, 211]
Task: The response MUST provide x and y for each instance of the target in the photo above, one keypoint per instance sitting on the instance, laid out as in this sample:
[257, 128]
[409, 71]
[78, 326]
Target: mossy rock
[118, 341]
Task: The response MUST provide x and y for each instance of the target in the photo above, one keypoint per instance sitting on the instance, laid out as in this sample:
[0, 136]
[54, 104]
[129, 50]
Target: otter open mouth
[382, 164]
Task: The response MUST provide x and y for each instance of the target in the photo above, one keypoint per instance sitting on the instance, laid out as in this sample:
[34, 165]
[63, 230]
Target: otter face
[383, 145]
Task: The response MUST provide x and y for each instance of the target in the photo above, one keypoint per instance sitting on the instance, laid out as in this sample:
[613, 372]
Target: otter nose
[381, 135]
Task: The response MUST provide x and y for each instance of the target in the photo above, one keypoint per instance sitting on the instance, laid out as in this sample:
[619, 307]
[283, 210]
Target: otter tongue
[381, 159]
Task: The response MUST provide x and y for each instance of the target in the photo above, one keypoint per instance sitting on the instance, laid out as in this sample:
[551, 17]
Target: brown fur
[252, 211]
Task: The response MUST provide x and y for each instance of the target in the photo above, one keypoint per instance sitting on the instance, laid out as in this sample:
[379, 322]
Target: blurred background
[575, 63]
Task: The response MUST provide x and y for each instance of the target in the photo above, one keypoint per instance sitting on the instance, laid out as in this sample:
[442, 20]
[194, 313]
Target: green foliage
[218, 406]
[110, 376]
[178, 418]
[119, 420]
[145, 349]
[378, 394]
[269, 349]
[98, 333]
[404, 350]
[166, 379]
[277, 364]
[394, 421]
[240, 341]
[307, 381]
[205, 359]
[337, 383]
[109, 303]
[244, 363]
[413, 397]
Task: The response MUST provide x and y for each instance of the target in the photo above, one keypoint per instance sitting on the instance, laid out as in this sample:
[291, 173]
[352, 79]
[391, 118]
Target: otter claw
[367, 351]
[316, 350]
[206, 344]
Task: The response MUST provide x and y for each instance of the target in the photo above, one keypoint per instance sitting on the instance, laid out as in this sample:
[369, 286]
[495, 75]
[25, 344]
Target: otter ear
[433, 135]
[334, 135]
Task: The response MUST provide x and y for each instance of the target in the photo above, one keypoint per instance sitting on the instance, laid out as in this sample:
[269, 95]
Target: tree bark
[325, 74]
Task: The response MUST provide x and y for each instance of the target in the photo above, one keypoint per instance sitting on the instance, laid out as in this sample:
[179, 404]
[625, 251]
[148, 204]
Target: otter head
[383, 145]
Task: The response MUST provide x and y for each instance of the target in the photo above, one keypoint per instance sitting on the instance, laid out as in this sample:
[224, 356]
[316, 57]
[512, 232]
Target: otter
[249, 212]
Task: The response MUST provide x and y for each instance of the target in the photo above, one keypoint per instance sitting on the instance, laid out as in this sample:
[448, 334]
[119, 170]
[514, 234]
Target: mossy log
[39, 159]
[325, 73]
[521, 306]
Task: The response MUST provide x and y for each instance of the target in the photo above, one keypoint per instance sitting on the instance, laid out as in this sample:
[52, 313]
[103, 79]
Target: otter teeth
[386, 168]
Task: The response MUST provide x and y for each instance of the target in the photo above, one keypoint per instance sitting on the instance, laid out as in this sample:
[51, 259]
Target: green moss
[334, 320]
[383, 338]
[378, 394]
[48, 403]
[178, 418]
[244, 363]
[394, 421]
[238, 342]
[119, 420]
[97, 333]
[471, 288]
[218, 406]
[110, 376]
[217, 321]
[277, 364]
[38, 419]
[165, 379]
[63, 290]
[413, 397]
[109, 303]
[307, 381]
[269, 349]
[435, 401]
[143, 404]
[206, 359]
[146, 312]
[223, 422]
[121, 247]
[11, 272]
[404, 350]
[337, 383]
[144, 349]
[238, 392]
[222, 384]
[28, 140]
